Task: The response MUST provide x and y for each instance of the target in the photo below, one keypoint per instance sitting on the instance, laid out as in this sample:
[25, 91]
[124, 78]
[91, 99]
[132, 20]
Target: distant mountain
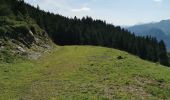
[160, 30]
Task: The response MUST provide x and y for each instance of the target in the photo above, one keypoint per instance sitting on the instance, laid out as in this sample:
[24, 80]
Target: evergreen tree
[4, 8]
[163, 54]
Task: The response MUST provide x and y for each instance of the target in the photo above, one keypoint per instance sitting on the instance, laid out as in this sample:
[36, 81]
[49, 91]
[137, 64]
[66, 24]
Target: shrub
[4, 10]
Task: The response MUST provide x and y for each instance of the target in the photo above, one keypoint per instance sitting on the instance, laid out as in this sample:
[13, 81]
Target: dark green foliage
[19, 7]
[169, 57]
[163, 54]
[86, 31]
[4, 10]
[119, 57]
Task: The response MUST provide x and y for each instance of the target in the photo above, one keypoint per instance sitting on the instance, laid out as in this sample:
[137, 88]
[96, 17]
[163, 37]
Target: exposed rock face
[25, 40]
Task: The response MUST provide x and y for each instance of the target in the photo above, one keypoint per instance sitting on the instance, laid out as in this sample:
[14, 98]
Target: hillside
[84, 72]
[37, 63]
[89, 31]
[160, 30]
[31, 25]
[20, 36]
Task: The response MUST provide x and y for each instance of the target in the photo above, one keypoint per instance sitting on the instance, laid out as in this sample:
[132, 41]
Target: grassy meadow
[84, 73]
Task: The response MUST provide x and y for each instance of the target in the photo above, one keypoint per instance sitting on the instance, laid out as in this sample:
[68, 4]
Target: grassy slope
[84, 72]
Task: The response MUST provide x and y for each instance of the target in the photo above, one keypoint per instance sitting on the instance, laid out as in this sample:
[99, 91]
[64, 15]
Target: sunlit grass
[84, 72]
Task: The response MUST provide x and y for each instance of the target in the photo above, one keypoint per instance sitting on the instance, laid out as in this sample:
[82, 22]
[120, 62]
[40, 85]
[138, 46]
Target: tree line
[88, 31]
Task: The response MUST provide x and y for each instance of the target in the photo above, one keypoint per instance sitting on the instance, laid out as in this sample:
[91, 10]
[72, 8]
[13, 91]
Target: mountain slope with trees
[160, 30]
[86, 31]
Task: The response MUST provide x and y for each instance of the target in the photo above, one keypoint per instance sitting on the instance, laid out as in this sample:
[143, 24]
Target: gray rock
[20, 49]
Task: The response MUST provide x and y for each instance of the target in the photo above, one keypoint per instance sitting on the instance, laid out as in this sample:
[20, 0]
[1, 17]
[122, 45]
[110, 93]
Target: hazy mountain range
[160, 30]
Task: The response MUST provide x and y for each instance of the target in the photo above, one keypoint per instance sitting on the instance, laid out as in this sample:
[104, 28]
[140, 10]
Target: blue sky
[118, 12]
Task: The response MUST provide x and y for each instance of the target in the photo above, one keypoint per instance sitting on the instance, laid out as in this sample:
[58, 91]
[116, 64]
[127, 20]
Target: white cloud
[157, 0]
[83, 9]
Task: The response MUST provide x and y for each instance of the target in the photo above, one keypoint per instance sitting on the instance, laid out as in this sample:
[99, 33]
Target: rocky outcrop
[27, 40]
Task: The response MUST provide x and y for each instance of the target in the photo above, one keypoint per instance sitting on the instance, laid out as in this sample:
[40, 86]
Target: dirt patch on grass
[146, 86]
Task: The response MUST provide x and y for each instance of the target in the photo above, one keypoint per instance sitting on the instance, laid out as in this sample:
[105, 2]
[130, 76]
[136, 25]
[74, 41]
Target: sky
[117, 12]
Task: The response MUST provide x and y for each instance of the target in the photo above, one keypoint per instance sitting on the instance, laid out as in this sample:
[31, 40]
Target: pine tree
[163, 54]
[4, 8]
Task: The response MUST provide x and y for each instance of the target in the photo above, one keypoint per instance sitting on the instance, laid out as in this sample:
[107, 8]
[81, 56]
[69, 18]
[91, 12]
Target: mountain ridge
[162, 27]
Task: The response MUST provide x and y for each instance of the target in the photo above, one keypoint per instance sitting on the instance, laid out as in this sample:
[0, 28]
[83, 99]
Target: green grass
[84, 73]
